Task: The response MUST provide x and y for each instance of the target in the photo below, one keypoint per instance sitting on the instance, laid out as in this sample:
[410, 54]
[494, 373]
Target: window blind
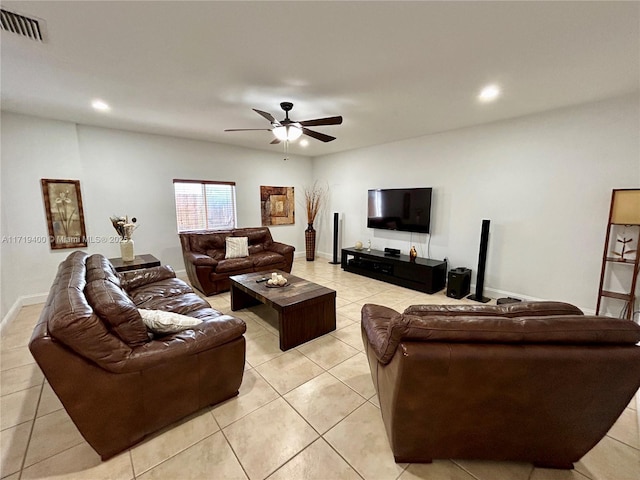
[205, 205]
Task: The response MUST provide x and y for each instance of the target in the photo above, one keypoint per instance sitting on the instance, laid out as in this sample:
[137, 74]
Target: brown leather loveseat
[117, 383]
[209, 271]
[537, 381]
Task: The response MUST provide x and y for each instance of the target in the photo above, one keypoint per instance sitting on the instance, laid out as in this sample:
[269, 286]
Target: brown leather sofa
[535, 381]
[209, 271]
[116, 382]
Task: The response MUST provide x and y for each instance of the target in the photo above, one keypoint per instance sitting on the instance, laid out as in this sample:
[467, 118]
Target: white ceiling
[393, 70]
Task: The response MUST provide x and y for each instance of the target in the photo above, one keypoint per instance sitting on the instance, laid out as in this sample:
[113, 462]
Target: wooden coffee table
[305, 309]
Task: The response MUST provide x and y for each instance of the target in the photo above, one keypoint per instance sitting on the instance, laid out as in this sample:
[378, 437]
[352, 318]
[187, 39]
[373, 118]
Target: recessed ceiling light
[489, 93]
[304, 142]
[100, 105]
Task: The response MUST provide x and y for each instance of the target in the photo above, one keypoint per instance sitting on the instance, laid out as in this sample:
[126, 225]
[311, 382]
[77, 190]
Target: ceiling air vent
[25, 26]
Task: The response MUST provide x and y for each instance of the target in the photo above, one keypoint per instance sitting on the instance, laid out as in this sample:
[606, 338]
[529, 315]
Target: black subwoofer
[458, 282]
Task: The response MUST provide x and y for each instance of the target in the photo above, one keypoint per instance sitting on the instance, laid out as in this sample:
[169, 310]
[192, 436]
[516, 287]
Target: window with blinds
[205, 205]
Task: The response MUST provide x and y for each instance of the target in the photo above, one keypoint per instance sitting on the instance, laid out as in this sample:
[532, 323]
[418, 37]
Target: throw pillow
[237, 247]
[160, 321]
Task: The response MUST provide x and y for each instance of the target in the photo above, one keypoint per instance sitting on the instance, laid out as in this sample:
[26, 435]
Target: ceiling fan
[287, 130]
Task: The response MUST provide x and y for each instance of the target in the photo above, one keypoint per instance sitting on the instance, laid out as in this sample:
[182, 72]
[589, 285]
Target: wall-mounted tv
[403, 209]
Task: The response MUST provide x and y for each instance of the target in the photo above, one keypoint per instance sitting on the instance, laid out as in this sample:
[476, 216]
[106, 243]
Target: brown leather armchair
[209, 270]
[117, 383]
[536, 381]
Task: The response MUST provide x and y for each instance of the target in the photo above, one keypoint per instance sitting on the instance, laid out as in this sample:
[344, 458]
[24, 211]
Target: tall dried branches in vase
[314, 197]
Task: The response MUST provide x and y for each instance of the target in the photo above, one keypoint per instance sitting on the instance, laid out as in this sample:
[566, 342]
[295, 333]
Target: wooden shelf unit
[624, 211]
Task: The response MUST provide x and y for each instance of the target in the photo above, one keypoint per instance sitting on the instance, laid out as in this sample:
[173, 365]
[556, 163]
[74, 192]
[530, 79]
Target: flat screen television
[402, 209]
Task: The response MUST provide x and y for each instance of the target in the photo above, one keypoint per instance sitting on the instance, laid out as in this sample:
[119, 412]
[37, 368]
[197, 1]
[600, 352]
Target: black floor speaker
[482, 261]
[458, 282]
[335, 238]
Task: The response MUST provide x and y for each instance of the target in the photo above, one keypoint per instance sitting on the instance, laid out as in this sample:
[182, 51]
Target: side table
[140, 261]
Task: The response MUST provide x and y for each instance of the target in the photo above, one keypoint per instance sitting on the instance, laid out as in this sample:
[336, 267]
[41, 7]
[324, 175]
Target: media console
[424, 275]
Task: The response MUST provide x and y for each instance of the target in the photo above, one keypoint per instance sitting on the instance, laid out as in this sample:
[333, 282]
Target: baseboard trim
[496, 293]
[11, 314]
[22, 301]
[42, 297]
[489, 292]
[318, 255]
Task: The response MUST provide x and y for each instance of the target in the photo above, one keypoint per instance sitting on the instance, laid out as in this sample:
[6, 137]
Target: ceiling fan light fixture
[287, 133]
[288, 130]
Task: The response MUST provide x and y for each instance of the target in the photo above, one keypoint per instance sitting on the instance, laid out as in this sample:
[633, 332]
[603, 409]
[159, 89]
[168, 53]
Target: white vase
[126, 250]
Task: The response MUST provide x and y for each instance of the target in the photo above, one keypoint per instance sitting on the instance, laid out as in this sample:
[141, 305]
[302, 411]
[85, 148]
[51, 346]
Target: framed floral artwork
[65, 218]
[277, 205]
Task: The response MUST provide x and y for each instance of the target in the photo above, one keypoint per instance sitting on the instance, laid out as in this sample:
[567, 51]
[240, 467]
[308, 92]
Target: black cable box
[394, 252]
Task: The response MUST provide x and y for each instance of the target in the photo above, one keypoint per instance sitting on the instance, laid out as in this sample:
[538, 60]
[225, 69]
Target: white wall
[544, 181]
[31, 149]
[120, 173]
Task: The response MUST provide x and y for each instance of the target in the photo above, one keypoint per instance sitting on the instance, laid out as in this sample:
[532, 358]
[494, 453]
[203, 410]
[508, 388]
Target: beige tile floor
[309, 413]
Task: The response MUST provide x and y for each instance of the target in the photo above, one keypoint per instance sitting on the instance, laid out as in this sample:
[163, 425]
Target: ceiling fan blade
[317, 135]
[275, 141]
[247, 129]
[266, 115]
[322, 121]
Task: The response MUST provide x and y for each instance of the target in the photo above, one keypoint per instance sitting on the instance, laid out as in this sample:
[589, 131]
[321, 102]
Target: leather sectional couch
[117, 382]
[537, 381]
[209, 270]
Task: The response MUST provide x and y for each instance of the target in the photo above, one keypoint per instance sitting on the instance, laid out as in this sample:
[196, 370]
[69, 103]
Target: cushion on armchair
[386, 328]
[253, 249]
[530, 309]
[560, 329]
[160, 291]
[215, 254]
[117, 311]
[255, 236]
[133, 279]
[201, 243]
[234, 265]
[99, 268]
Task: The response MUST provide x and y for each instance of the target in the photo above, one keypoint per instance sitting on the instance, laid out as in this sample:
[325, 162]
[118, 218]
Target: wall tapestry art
[65, 218]
[277, 205]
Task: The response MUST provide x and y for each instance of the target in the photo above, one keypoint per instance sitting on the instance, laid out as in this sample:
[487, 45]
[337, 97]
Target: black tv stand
[424, 275]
